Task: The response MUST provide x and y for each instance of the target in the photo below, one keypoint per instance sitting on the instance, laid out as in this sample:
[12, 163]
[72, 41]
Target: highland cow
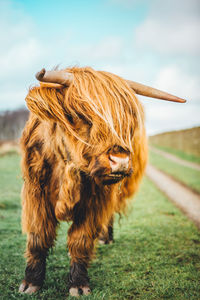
[84, 152]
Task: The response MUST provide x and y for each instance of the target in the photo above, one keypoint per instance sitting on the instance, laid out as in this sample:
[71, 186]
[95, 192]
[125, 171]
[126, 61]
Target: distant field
[183, 143]
[186, 175]
[11, 146]
[181, 154]
[156, 254]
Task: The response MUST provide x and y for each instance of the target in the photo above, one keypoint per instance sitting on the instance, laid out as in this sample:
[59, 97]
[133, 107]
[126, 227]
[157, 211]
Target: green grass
[180, 154]
[186, 175]
[156, 254]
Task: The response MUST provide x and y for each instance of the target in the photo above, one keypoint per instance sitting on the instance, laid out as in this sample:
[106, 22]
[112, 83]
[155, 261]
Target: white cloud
[169, 39]
[175, 81]
[108, 48]
[19, 57]
[165, 116]
[171, 28]
[170, 33]
[20, 52]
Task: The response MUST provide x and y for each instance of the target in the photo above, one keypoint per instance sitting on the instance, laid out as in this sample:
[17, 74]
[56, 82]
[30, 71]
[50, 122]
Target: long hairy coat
[65, 146]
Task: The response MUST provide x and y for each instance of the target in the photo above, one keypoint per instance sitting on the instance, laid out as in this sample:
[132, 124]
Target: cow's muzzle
[120, 167]
[119, 164]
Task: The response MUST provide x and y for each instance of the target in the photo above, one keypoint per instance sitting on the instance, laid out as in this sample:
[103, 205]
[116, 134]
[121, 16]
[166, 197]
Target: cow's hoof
[77, 291]
[28, 288]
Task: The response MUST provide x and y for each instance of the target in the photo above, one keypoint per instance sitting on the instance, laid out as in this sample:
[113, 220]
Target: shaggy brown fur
[65, 147]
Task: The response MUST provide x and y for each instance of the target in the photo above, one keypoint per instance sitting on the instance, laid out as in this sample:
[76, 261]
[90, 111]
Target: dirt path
[176, 159]
[184, 198]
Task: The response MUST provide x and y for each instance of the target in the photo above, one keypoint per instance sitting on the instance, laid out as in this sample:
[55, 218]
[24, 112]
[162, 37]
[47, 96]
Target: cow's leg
[80, 245]
[36, 255]
[38, 219]
[89, 216]
[39, 222]
[106, 236]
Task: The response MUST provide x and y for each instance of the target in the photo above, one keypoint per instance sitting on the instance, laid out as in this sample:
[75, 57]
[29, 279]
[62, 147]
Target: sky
[153, 42]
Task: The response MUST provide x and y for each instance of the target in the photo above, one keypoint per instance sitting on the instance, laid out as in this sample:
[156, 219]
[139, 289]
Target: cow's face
[104, 117]
[97, 152]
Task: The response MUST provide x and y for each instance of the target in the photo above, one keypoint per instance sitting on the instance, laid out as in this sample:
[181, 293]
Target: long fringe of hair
[102, 98]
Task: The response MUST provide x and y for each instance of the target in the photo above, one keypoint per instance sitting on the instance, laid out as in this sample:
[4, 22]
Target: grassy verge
[184, 174]
[156, 253]
[180, 154]
[186, 140]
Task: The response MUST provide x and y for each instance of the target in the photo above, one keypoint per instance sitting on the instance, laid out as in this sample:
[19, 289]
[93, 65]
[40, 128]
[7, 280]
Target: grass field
[156, 254]
[181, 154]
[187, 175]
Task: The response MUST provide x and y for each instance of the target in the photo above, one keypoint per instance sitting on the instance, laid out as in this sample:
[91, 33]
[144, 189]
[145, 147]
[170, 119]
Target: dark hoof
[77, 291]
[78, 280]
[28, 288]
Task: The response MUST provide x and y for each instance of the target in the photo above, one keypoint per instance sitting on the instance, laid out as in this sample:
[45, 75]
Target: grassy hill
[179, 142]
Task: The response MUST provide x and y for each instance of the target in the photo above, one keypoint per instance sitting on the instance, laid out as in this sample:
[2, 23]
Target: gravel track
[187, 200]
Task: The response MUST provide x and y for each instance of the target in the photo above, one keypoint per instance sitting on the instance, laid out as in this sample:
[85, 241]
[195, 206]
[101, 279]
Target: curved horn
[148, 91]
[64, 78]
[60, 77]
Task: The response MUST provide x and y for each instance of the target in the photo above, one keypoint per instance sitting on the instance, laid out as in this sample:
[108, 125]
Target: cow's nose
[119, 163]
